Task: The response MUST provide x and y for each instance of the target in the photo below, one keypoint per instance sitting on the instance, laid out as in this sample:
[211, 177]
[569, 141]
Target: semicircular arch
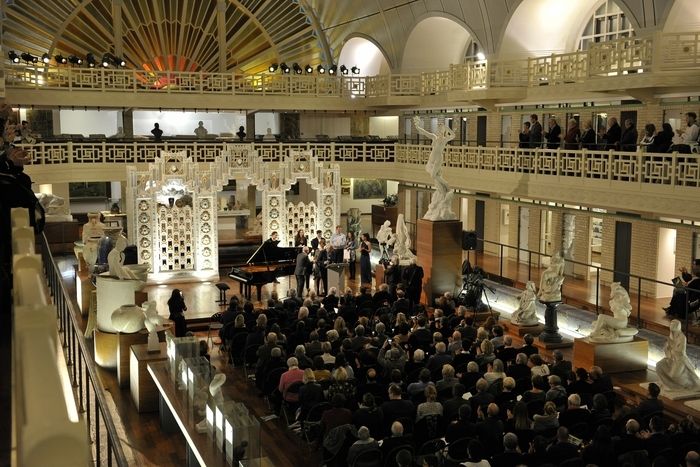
[363, 51]
[436, 41]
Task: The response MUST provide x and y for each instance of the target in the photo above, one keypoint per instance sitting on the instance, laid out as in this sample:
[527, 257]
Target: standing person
[157, 132]
[573, 135]
[687, 136]
[351, 246]
[338, 242]
[241, 133]
[553, 136]
[300, 238]
[649, 134]
[413, 278]
[612, 136]
[662, 140]
[535, 132]
[177, 307]
[302, 265]
[392, 276]
[628, 140]
[365, 265]
[201, 132]
[320, 270]
[588, 136]
[524, 136]
[315, 241]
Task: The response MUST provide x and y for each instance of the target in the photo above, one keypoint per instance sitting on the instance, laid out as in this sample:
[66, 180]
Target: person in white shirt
[687, 137]
[338, 242]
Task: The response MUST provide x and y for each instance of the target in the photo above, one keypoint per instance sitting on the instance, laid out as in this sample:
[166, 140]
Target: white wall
[311, 125]
[384, 126]
[543, 27]
[265, 120]
[434, 44]
[174, 122]
[364, 54]
[87, 122]
[666, 261]
[684, 16]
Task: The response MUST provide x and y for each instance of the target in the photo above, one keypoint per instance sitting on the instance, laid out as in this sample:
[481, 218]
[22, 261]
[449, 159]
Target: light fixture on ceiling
[355, 70]
[297, 69]
[272, 68]
[60, 59]
[343, 69]
[333, 69]
[285, 69]
[46, 58]
[309, 69]
[75, 60]
[14, 58]
[27, 57]
[321, 69]
[91, 60]
[480, 56]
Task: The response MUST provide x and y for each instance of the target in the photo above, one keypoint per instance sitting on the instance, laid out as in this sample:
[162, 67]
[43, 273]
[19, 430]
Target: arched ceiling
[246, 35]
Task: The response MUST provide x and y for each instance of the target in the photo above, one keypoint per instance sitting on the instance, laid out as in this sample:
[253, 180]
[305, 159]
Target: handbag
[346, 255]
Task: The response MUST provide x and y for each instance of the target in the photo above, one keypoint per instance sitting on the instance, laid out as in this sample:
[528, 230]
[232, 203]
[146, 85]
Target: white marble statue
[386, 239]
[610, 329]
[526, 314]
[152, 320]
[217, 398]
[115, 260]
[128, 318]
[440, 208]
[53, 205]
[552, 280]
[402, 243]
[675, 371]
[92, 232]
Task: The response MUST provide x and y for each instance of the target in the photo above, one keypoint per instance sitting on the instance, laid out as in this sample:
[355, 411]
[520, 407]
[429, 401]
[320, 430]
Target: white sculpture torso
[402, 243]
[611, 329]
[440, 208]
[675, 370]
[526, 314]
[552, 280]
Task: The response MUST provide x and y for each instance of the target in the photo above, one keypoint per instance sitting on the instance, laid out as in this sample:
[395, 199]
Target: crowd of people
[369, 376]
[615, 137]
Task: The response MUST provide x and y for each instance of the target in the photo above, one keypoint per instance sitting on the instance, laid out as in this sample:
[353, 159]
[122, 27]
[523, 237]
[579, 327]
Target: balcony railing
[671, 169]
[674, 52]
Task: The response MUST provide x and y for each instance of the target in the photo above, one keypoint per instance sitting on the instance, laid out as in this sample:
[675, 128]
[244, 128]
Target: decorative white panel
[301, 216]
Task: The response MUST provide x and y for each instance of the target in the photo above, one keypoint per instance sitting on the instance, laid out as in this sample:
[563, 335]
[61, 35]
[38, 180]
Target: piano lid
[269, 252]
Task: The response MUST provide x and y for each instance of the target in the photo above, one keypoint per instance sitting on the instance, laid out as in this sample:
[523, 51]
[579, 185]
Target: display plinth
[617, 357]
[112, 350]
[520, 331]
[144, 392]
[550, 333]
[439, 251]
[336, 276]
[83, 289]
[379, 275]
[675, 394]
[111, 294]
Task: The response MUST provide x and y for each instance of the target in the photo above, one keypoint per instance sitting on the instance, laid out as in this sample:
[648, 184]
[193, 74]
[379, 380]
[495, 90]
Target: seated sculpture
[115, 260]
[675, 370]
[552, 280]
[611, 329]
[526, 314]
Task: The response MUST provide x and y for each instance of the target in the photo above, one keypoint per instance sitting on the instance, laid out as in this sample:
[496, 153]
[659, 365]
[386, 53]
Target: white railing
[678, 170]
[674, 52]
[45, 429]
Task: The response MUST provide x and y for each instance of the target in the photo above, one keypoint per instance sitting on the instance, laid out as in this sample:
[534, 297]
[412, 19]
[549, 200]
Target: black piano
[264, 267]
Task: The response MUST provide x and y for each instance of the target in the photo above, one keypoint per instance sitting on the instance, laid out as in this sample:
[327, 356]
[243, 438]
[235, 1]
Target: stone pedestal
[612, 358]
[144, 392]
[378, 275]
[439, 249]
[83, 289]
[336, 276]
[520, 331]
[111, 294]
[550, 334]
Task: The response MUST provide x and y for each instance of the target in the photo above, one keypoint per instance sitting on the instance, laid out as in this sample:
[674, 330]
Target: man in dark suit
[560, 367]
[630, 440]
[490, 430]
[535, 135]
[562, 449]
[574, 414]
[396, 439]
[396, 408]
[510, 457]
[652, 404]
[519, 370]
[413, 278]
[553, 136]
[315, 241]
[613, 135]
[656, 440]
[303, 262]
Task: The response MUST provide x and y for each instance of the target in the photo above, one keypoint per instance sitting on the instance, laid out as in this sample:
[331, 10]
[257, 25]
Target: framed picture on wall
[365, 188]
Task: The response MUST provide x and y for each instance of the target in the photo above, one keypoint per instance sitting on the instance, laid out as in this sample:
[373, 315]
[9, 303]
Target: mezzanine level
[626, 181]
[641, 67]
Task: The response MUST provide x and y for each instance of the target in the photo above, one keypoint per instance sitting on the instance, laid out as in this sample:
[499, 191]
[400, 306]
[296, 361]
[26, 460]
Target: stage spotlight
[355, 70]
[118, 61]
[480, 56]
[60, 59]
[309, 69]
[75, 60]
[332, 69]
[14, 58]
[91, 61]
[272, 68]
[285, 69]
[46, 58]
[343, 69]
[297, 69]
[27, 57]
[321, 69]
[106, 60]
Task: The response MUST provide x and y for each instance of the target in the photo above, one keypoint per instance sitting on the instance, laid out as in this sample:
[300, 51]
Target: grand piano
[265, 265]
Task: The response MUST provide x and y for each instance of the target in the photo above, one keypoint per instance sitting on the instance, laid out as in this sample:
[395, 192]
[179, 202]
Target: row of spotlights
[320, 69]
[107, 59]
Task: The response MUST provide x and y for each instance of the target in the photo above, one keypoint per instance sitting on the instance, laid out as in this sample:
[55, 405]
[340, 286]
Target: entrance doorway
[623, 253]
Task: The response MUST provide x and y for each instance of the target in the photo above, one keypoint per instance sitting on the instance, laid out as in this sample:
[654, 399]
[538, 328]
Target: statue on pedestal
[115, 260]
[128, 319]
[440, 208]
[402, 243]
[92, 232]
[526, 314]
[552, 280]
[610, 329]
[675, 370]
[152, 320]
[217, 398]
[386, 239]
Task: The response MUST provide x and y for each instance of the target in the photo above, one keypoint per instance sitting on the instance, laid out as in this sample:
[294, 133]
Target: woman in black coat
[177, 307]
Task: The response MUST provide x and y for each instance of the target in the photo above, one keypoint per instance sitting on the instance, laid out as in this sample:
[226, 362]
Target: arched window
[607, 23]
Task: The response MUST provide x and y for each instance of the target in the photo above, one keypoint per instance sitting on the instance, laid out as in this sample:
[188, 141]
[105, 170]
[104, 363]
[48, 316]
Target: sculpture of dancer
[402, 244]
[552, 280]
[610, 329]
[386, 238]
[152, 320]
[440, 208]
[526, 314]
[675, 370]
[217, 398]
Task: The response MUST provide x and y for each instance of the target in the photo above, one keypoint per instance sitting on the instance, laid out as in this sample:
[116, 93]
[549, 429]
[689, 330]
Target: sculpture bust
[526, 314]
[675, 370]
[402, 242]
[552, 280]
[611, 329]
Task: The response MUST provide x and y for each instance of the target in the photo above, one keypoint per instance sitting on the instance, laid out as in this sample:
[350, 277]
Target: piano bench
[223, 287]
